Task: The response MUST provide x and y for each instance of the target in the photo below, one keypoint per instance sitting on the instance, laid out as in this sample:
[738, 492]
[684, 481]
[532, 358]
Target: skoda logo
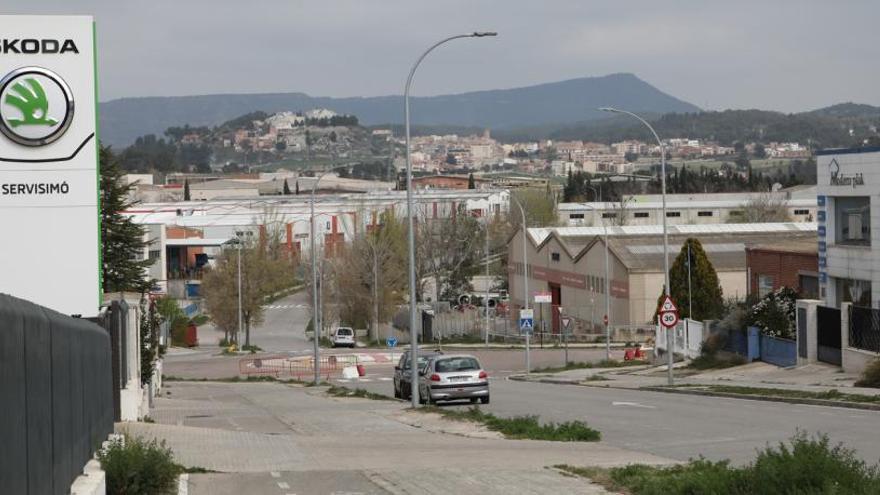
[36, 106]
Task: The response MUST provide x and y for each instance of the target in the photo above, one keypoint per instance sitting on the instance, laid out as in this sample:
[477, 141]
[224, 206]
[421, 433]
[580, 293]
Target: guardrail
[297, 369]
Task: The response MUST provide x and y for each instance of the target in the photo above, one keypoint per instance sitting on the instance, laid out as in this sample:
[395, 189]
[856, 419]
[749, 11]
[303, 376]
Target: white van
[343, 337]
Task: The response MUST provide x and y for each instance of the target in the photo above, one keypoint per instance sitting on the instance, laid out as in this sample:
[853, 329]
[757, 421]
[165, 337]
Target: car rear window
[343, 331]
[449, 365]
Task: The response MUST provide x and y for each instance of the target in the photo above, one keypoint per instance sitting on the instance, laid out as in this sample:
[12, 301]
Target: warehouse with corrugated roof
[569, 264]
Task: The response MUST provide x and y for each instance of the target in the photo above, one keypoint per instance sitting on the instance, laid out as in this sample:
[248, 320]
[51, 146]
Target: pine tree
[286, 190]
[705, 289]
[186, 196]
[471, 183]
[122, 241]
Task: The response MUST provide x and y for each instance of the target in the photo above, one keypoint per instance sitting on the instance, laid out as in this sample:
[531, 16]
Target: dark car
[403, 375]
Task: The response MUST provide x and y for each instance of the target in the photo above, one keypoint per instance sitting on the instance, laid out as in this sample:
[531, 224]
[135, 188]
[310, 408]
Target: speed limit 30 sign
[668, 313]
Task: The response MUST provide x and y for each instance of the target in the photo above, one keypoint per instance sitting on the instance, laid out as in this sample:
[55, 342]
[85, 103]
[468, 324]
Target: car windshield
[422, 361]
[456, 364]
[344, 331]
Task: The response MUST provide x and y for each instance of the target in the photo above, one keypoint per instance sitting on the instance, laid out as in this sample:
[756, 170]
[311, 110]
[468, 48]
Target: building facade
[848, 197]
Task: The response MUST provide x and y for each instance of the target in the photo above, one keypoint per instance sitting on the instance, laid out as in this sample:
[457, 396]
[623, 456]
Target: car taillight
[435, 377]
[483, 375]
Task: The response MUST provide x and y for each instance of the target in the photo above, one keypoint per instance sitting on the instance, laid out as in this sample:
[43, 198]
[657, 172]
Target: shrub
[135, 466]
[871, 375]
[775, 313]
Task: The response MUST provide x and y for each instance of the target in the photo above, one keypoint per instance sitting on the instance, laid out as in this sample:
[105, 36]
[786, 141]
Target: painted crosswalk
[285, 306]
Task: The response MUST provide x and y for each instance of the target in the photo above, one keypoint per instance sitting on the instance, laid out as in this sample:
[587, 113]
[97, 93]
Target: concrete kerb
[706, 393]
[767, 398]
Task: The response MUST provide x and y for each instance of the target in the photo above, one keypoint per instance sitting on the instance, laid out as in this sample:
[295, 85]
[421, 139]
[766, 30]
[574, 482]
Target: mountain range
[551, 104]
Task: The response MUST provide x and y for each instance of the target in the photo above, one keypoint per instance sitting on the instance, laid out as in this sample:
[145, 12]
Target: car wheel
[474, 400]
[396, 392]
[422, 399]
[484, 400]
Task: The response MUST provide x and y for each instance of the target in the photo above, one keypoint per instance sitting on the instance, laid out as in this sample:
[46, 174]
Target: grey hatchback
[402, 387]
[453, 377]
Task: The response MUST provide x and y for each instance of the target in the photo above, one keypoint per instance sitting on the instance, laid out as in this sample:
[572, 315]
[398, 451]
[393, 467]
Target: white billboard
[49, 204]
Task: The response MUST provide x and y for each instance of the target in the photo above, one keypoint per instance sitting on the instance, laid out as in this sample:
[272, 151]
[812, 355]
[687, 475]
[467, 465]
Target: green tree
[540, 208]
[705, 289]
[186, 195]
[471, 183]
[122, 241]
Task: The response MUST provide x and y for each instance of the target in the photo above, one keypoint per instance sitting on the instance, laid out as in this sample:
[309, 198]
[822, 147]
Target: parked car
[402, 374]
[343, 337]
[453, 377]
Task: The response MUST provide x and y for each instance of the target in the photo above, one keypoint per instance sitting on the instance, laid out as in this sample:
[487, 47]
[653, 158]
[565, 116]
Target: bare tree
[620, 209]
[763, 208]
[449, 252]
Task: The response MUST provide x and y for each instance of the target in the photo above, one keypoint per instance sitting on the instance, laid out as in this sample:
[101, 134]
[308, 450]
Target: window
[809, 286]
[576, 216]
[765, 285]
[704, 213]
[609, 215]
[554, 256]
[641, 214]
[801, 212]
[154, 254]
[673, 214]
[853, 218]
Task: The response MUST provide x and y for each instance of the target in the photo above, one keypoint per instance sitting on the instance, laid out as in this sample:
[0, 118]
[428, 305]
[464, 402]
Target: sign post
[668, 316]
[49, 163]
[391, 342]
[526, 326]
[566, 330]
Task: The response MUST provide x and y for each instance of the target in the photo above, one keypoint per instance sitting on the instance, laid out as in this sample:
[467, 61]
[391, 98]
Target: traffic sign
[526, 320]
[543, 297]
[668, 306]
[669, 319]
[566, 324]
[391, 341]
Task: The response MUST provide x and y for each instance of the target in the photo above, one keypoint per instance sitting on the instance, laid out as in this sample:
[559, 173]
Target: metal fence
[55, 384]
[781, 352]
[864, 328]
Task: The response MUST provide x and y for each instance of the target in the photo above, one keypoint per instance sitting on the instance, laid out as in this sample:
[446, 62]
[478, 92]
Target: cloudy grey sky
[780, 55]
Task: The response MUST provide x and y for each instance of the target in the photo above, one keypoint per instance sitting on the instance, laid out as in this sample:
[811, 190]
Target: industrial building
[569, 263]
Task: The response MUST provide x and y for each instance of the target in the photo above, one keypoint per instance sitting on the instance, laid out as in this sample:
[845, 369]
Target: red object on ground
[640, 353]
[629, 354]
[192, 336]
[361, 370]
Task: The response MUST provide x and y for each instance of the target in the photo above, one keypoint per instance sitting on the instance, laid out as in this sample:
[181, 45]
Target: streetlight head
[483, 34]
[608, 109]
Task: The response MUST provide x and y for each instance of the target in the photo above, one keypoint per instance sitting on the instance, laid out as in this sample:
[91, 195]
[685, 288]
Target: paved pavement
[284, 434]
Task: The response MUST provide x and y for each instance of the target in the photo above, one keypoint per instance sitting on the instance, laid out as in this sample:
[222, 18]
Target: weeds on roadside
[523, 427]
[134, 466]
[871, 375]
[806, 465]
[338, 391]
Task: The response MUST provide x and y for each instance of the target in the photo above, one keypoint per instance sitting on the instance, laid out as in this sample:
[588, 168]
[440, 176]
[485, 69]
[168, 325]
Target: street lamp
[670, 341]
[414, 353]
[522, 212]
[316, 313]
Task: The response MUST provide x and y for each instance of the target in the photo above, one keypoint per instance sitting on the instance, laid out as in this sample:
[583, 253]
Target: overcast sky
[779, 55]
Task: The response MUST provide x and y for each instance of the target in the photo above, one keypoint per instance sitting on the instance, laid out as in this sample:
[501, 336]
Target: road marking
[632, 404]
[343, 380]
[385, 379]
[283, 485]
[275, 474]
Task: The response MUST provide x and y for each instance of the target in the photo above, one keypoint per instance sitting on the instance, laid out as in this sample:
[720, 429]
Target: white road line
[343, 380]
[275, 474]
[283, 485]
[632, 404]
[384, 379]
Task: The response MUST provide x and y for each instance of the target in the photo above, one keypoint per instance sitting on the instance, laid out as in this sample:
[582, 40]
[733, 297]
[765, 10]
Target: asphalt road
[669, 425]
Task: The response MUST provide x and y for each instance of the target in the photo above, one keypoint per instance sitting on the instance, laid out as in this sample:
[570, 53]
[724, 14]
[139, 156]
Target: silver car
[453, 377]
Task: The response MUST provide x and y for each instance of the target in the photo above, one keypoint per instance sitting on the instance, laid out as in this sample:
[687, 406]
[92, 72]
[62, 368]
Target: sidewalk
[809, 378]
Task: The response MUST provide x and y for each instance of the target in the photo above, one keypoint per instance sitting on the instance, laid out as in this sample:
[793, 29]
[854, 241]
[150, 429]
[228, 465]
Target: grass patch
[806, 465]
[236, 379]
[605, 363]
[338, 391]
[716, 362]
[199, 320]
[135, 466]
[871, 376]
[522, 427]
[253, 349]
[832, 394]
[196, 470]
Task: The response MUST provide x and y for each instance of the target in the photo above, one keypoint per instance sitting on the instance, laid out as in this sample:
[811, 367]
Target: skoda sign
[36, 106]
[49, 173]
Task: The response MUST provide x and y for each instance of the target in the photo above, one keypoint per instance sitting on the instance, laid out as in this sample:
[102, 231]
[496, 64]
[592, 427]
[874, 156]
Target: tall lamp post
[414, 352]
[670, 339]
[525, 246]
[316, 313]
